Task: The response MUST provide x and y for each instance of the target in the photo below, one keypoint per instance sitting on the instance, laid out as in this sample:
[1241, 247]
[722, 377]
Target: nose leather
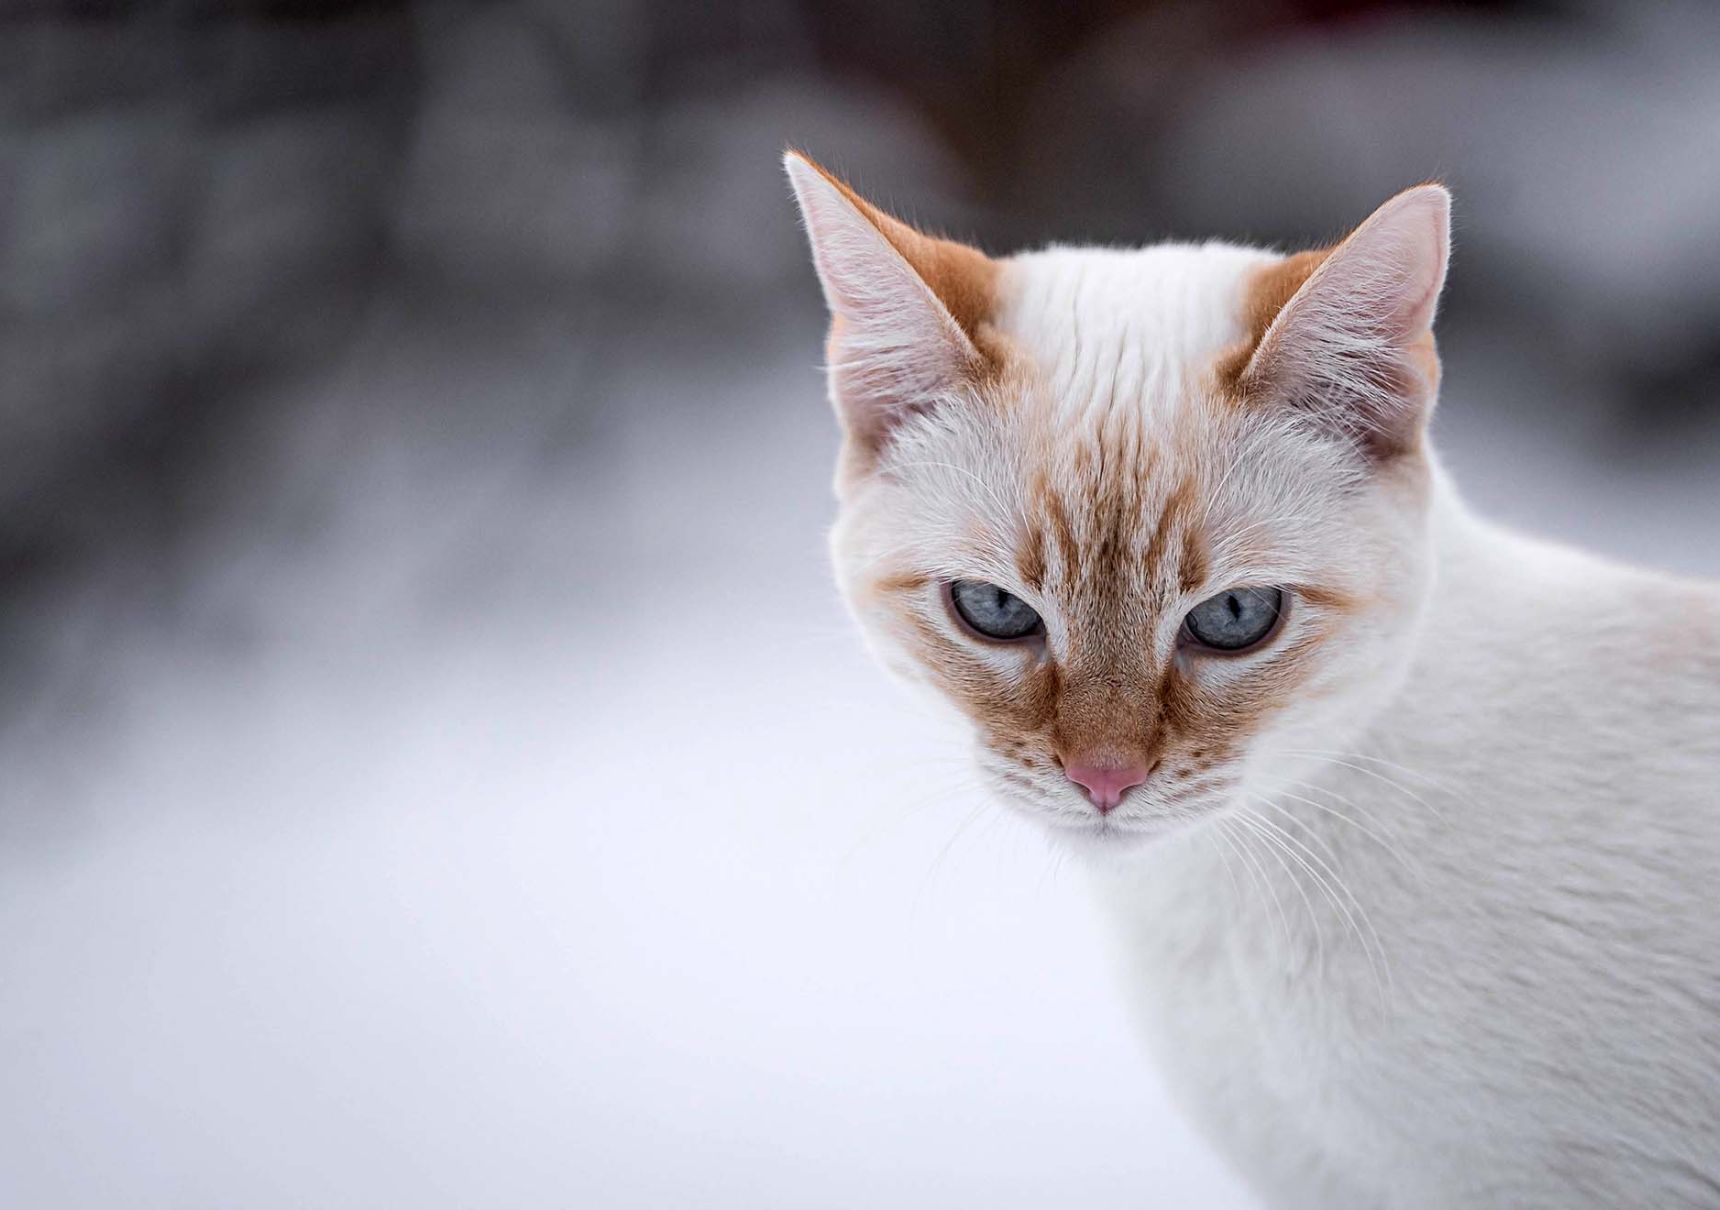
[1105, 781]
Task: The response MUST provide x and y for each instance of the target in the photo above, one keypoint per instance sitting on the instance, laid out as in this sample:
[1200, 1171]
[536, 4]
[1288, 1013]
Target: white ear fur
[1354, 344]
[894, 346]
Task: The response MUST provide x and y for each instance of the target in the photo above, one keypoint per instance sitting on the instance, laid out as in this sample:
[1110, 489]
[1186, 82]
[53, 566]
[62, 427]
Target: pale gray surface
[571, 896]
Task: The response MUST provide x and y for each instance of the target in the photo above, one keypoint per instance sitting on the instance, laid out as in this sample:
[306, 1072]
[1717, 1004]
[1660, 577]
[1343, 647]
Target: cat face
[1153, 521]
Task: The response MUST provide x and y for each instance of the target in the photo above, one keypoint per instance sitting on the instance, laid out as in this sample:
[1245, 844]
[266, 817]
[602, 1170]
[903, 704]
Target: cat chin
[1105, 843]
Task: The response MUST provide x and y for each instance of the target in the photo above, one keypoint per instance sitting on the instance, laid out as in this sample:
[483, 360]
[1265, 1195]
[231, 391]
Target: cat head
[1154, 521]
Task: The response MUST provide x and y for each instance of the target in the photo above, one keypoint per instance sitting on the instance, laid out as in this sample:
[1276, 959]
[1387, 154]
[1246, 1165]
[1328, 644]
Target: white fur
[1449, 934]
[1545, 1030]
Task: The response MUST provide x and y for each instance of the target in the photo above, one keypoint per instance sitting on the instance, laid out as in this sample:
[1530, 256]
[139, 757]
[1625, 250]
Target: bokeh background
[434, 767]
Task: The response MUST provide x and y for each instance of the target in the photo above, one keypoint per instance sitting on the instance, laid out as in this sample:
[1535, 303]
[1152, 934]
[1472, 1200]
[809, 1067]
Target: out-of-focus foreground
[434, 769]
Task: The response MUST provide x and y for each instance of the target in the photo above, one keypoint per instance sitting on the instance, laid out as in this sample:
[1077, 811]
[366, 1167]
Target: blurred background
[434, 767]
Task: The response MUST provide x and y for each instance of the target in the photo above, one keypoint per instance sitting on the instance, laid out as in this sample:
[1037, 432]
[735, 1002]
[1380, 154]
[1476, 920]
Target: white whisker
[1354, 823]
[1258, 872]
[1318, 868]
[1276, 847]
[1377, 776]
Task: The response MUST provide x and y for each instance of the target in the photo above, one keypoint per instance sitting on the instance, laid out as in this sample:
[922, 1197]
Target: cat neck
[1405, 770]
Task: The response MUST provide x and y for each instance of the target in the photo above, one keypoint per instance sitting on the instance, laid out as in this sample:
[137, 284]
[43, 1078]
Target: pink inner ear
[895, 348]
[1354, 345]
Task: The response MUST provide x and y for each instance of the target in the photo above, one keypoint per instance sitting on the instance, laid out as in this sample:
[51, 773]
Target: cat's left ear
[1353, 346]
[906, 310]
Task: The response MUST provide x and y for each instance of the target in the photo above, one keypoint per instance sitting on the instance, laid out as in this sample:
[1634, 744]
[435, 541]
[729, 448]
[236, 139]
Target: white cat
[1410, 826]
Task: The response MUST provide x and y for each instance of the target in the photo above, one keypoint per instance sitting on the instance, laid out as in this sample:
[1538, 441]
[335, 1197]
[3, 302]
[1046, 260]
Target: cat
[1408, 827]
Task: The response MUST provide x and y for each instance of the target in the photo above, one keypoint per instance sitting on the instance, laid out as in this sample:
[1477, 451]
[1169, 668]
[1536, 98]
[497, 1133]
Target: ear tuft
[1353, 346]
[905, 307]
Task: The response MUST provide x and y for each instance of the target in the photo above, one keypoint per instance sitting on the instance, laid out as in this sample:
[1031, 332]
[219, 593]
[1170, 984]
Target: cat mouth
[1110, 836]
[1104, 839]
[1089, 832]
[1108, 833]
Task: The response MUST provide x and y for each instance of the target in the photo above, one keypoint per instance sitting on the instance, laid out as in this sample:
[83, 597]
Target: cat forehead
[1134, 328]
[1108, 442]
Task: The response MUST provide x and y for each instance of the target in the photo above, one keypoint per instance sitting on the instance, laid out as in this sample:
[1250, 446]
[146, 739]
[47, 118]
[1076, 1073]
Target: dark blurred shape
[192, 204]
[225, 225]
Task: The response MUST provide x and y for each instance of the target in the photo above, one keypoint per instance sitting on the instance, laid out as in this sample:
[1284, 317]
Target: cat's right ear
[906, 309]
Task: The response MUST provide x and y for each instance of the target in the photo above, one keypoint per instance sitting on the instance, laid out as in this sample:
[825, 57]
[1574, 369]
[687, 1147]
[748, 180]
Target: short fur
[1418, 902]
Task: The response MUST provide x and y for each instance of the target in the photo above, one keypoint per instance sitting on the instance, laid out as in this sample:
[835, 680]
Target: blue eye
[990, 611]
[1236, 619]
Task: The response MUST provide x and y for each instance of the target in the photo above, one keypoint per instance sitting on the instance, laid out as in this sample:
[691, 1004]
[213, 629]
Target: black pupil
[1236, 619]
[992, 611]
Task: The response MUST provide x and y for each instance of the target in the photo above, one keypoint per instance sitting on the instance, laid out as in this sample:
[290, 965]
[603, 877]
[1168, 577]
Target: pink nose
[1105, 781]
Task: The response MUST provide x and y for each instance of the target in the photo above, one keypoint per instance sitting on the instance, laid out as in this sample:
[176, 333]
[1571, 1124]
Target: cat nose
[1106, 780]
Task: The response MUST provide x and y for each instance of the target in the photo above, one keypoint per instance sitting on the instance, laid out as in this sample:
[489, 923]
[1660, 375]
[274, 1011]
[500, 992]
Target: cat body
[1511, 994]
[1408, 826]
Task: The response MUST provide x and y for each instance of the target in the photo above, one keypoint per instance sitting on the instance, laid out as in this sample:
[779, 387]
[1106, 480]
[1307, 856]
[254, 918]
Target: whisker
[1314, 864]
[1354, 823]
[1376, 775]
[1314, 836]
[1276, 848]
[938, 861]
[897, 812]
[1427, 779]
[1258, 873]
[1230, 872]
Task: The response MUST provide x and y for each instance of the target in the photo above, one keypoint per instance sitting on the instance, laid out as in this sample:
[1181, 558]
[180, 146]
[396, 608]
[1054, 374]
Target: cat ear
[1353, 345]
[905, 308]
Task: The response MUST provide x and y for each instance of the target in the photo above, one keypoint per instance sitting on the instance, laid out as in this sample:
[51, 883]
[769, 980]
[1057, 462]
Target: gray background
[434, 768]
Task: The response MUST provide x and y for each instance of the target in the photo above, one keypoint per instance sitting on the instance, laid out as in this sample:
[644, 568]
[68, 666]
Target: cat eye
[991, 612]
[1236, 619]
